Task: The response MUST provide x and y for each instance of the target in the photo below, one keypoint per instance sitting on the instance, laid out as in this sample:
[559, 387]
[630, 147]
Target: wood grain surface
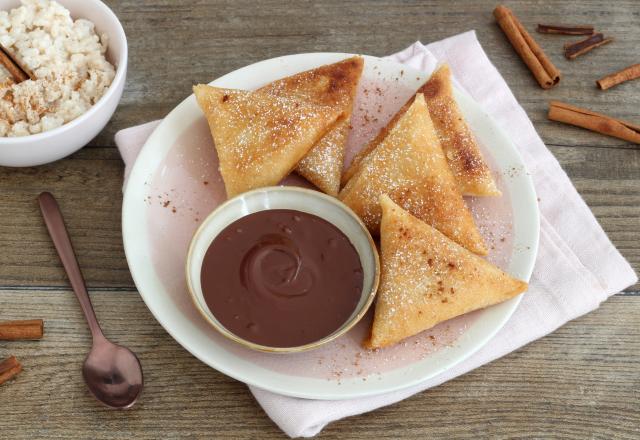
[580, 382]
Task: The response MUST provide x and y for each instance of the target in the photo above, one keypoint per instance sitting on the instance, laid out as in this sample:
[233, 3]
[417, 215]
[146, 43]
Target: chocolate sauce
[281, 278]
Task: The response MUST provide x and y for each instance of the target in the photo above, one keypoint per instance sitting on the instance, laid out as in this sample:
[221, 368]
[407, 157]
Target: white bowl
[49, 146]
[281, 197]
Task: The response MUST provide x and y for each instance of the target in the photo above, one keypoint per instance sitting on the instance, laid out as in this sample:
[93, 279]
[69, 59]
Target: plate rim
[512, 304]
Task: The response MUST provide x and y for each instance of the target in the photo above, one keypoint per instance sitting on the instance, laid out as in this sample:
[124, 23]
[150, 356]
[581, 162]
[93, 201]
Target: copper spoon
[112, 373]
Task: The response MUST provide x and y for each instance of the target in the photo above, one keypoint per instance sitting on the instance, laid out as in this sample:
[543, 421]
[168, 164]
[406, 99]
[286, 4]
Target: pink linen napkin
[576, 269]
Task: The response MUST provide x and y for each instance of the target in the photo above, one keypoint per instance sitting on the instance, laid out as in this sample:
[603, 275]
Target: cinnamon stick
[626, 74]
[21, 330]
[17, 71]
[9, 368]
[572, 50]
[569, 114]
[531, 53]
[565, 30]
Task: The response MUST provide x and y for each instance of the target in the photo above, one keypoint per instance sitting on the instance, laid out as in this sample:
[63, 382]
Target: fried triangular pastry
[410, 167]
[259, 137]
[460, 147]
[427, 278]
[332, 85]
[472, 174]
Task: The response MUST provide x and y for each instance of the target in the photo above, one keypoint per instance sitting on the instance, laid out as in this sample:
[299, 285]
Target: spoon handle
[58, 232]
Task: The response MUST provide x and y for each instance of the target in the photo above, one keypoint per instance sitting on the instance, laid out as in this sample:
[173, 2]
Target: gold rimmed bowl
[299, 199]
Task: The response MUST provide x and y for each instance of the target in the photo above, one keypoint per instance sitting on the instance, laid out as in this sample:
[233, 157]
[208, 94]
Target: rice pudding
[67, 58]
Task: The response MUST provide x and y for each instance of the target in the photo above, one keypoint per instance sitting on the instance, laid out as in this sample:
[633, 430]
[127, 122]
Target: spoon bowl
[113, 374]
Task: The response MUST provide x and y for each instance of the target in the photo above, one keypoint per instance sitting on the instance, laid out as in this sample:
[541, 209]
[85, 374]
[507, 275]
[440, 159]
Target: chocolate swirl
[281, 278]
[273, 266]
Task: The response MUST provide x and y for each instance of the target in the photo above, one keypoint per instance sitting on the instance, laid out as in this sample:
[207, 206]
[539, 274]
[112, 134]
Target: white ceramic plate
[175, 184]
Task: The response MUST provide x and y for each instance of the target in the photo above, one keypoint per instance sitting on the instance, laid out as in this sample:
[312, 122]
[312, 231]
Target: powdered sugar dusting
[377, 100]
[180, 180]
[260, 137]
[472, 174]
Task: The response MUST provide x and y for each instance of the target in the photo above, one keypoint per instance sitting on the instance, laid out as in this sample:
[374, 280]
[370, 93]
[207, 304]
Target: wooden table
[581, 381]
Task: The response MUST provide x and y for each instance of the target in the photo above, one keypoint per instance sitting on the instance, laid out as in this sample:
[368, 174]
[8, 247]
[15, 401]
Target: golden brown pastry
[410, 167]
[332, 85]
[472, 174]
[427, 278]
[463, 154]
[259, 137]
